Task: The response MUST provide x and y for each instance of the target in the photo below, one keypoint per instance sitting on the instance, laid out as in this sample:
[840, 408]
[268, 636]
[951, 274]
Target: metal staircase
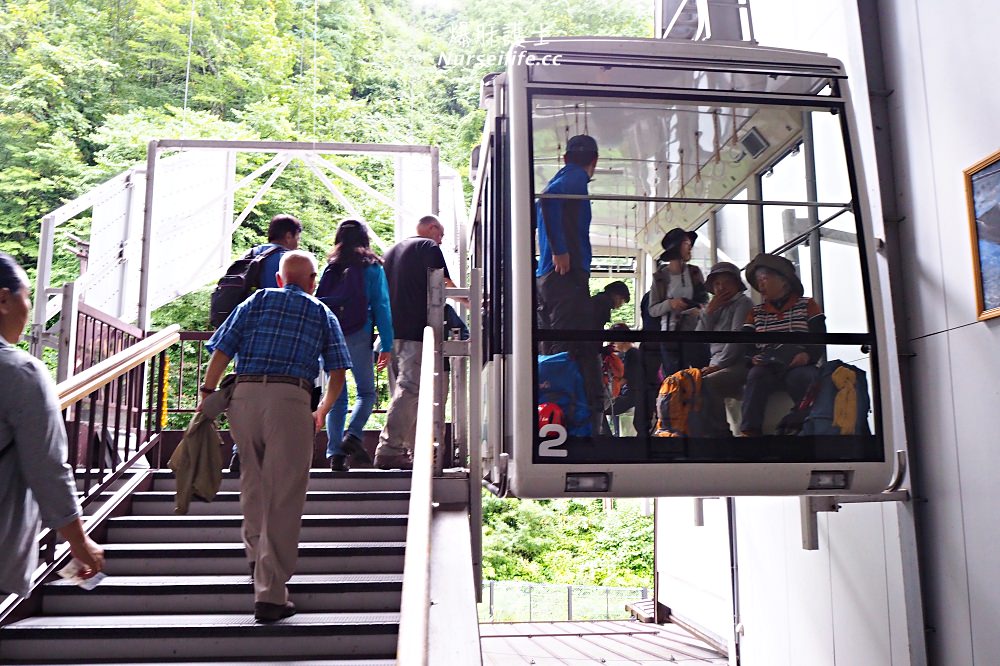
[178, 588]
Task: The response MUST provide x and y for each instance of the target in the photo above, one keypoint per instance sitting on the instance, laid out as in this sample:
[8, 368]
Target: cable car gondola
[753, 149]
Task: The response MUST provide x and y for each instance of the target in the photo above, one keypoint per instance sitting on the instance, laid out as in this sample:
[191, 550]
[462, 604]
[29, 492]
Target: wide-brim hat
[673, 239]
[724, 267]
[779, 265]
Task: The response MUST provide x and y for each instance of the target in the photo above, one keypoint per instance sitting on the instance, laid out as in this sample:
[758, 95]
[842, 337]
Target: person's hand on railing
[383, 361]
[83, 548]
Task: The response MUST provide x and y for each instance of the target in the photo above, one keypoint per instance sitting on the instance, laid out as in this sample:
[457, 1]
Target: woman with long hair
[36, 484]
[354, 287]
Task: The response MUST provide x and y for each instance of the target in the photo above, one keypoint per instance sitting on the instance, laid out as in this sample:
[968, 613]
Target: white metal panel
[942, 537]
[974, 371]
[694, 578]
[859, 590]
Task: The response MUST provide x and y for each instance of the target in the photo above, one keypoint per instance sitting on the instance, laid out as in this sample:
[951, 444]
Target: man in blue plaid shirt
[278, 337]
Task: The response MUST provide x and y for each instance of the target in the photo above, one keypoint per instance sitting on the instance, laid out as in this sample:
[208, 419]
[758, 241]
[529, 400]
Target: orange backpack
[678, 405]
[613, 373]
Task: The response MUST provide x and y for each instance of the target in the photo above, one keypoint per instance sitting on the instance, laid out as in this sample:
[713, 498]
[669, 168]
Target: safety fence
[516, 601]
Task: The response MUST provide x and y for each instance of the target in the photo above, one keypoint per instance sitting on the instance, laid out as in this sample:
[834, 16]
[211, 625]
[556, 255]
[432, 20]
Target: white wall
[845, 604]
[941, 62]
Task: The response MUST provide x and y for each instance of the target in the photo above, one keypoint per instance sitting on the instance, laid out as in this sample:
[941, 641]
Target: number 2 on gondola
[548, 448]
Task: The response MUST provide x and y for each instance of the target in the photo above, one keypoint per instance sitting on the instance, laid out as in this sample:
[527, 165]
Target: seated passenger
[773, 366]
[726, 371]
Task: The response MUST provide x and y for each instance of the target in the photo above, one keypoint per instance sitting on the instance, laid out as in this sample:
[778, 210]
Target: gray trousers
[273, 428]
[401, 417]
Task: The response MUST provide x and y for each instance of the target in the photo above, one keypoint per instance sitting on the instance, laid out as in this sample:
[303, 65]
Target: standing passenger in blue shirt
[564, 254]
[355, 283]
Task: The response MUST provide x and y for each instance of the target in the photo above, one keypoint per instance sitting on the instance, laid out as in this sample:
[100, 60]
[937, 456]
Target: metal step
[224, 662]
[174, 559]
[161, 503]
[200, 636]
[319, 479]
[260, 662]
[140, 595]
[221, 529]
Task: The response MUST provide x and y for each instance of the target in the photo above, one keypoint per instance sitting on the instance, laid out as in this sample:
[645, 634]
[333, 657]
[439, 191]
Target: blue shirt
[377, 291]
[269, 267]
[282, 332]
[559, 233]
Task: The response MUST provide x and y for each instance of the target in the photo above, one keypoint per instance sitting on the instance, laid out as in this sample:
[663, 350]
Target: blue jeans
[359, 345]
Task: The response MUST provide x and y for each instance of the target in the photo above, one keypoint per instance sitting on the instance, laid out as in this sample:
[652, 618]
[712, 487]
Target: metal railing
[517, 601]
[186, 364]
[112, 414]
[412, 647]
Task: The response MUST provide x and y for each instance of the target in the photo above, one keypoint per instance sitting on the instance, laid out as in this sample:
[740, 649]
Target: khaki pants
[401, 417]
[272, 425]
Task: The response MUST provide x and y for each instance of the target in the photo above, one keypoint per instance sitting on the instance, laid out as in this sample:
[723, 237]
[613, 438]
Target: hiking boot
[353, 447]
[265, 612]
[393, 461]
[338, 463]
[234, 464]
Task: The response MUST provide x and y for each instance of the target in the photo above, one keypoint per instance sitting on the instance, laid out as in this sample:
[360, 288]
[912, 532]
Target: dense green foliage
[84, 84]
[566, 541]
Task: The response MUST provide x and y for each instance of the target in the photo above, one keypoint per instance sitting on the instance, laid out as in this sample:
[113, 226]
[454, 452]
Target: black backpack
[242, 278]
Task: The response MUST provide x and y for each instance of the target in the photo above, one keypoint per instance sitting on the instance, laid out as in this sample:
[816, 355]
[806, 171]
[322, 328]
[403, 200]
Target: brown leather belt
[304, 384]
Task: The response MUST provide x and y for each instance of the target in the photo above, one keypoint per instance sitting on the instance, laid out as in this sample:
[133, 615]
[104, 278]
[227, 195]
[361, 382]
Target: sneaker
[339, 463]
[353, 447]
[265, 612]
[393, 461]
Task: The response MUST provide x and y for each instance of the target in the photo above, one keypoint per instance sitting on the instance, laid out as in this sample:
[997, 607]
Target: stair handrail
[79, 386]
[71, 392]
[412, 645]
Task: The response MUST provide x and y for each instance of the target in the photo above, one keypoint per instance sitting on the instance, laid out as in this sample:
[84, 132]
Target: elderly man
[277, 337]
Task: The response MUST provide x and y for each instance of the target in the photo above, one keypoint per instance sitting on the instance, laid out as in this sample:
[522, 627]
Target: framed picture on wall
[982, 187]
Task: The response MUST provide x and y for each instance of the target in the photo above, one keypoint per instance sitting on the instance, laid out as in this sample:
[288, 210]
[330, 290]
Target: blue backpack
[560, 381]
[343, 291]
[847, 383]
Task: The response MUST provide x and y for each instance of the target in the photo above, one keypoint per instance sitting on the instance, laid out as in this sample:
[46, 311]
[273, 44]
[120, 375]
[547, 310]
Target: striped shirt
[282, 332]
[798, 314]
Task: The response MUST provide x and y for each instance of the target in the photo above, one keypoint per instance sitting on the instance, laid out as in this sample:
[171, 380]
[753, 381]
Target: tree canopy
[85, 84]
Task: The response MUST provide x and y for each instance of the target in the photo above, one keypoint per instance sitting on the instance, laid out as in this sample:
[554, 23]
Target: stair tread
[214, 520]
[189, 548]
[234, 495]
[321, 473]
[151, 583]
[262, 662]
[194, 621]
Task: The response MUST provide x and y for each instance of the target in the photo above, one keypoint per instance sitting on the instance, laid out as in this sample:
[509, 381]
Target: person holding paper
[36, 485]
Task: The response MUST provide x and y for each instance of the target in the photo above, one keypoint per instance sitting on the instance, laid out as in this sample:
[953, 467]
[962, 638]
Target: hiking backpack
[242, 278]
[612, 373]
[678, 405]
[560, 382]
[343, 291]
[841, 403]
